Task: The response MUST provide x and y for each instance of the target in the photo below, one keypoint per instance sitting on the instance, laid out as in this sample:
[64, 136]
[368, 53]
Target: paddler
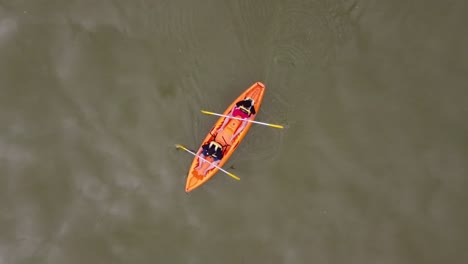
[211, 149]
[243, 109]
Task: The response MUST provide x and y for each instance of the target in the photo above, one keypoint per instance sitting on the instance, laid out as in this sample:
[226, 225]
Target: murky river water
[371, 169]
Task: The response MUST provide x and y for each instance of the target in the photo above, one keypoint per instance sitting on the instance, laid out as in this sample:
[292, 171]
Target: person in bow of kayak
[243, 109]
[211, 149]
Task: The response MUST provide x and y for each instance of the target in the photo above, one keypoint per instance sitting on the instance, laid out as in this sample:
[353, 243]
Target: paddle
[256, 122]
[193, 153]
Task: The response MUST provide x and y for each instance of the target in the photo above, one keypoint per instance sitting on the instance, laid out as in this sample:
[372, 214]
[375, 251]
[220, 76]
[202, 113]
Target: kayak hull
[197, 175]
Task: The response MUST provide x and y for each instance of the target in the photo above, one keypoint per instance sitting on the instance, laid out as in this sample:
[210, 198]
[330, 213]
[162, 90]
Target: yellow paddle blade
[208, 112]
[230, 174]
[180, 146]
[277, 126]
[252, 121]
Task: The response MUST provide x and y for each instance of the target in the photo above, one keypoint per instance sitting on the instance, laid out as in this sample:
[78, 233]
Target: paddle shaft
[248, 120]
[221, 169]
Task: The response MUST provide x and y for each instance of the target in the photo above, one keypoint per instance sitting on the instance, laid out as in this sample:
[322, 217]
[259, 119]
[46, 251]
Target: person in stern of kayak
[243, 109]
[211, 149]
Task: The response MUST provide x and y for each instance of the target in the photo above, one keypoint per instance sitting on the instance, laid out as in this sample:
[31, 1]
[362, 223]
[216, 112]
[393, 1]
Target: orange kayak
[198, 176]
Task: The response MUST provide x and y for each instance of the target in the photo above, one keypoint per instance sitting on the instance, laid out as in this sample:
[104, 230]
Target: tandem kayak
[197, 176]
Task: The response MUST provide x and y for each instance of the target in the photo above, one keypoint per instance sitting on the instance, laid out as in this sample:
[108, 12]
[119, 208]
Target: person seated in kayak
[243, 109]
[211, 149]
